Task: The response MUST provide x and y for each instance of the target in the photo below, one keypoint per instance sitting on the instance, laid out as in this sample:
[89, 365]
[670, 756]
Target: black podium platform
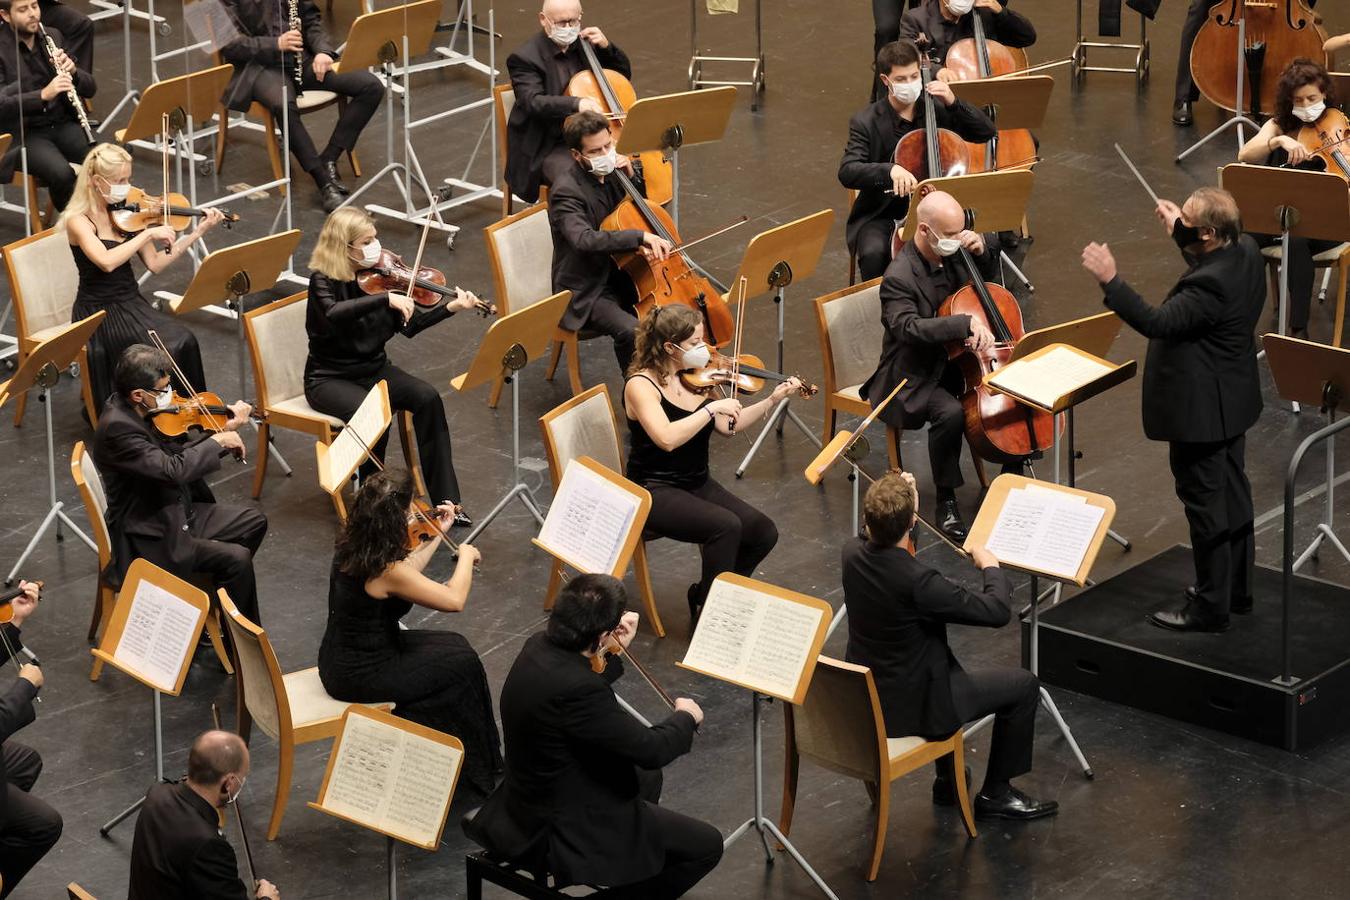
[1098, 643]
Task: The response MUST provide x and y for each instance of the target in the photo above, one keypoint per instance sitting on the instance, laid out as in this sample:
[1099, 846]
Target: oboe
[71, 94]
[299, 54]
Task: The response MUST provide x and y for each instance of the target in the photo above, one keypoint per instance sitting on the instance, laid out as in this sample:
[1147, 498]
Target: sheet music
[210, 22]
[349, 449]
[1048, 377]
[753, 638]
[590, 520]
[391, 780]
[1047, 533]
[160, 633]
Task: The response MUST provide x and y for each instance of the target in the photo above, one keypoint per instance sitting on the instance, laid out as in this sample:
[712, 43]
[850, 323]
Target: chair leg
[87, 388]
[222, 130]
[243, 720]
[883, 816]
[34, 205]
[893, 447]
[980, 473]
[217, 642]
[496, 394]
[340, 506]
[553, 360]
[21, 404]
[643, 573]
[1343, 272]
[104, 601]
[554, 584]
[574, 366]
[260, 464]
[273, 148]
[962, 792]
[791, 765]
[285, 765]
[831, 424]
[410, 457]
[852, 270]
[96, 670]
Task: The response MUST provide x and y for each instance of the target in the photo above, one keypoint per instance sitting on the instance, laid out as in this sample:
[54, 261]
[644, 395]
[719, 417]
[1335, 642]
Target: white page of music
[1041, 530]
[389, 779]
[350, 448]
[753, 638]
[1046, 378]
[589, 520]
[161, 631]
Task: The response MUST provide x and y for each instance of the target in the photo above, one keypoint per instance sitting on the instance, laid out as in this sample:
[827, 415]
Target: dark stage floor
[1174, 811]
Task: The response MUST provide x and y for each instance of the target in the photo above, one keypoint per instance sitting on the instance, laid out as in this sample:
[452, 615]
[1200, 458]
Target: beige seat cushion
[852, 392]
[309, 701]
[299, 406]
[314, 99]
[896, 747]
[1326, 256]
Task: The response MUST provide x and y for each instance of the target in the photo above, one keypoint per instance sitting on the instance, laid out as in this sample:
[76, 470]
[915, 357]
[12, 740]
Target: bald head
[941, 213]
[215, 755]
[559, 12]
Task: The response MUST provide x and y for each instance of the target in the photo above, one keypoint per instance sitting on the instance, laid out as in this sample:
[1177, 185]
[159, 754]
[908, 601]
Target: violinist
[35, 102]
[669, 427]
[159, 505]
[103, 255]
[1201, 393]
[582, 775]
[348, 330]
[914, 346]
[1305, 91]
[603, 297]
[944, 22]
[884, 187]
[435, 677]
[540, 70]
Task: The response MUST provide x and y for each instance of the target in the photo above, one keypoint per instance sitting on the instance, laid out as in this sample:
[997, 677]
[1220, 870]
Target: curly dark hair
[376, 533]
[1297, 74]
[672, 324]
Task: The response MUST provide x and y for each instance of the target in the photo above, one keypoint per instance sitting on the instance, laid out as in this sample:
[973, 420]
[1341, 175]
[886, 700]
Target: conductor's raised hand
[290, 42]
[1167, 213]
[1098, 260]
[685, 705]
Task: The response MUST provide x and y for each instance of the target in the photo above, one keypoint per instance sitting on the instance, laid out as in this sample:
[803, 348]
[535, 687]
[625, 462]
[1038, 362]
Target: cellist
[603, 297]
[944, 22]
[914, 345]
[873, 133]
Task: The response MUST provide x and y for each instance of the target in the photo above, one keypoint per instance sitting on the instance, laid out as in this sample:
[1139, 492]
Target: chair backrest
[582, 426]
[259, 673]
[839, 725]
[90, 484]
[503, 101]
[43, 280]
[75, 892]
[521, 250]
[273, 332]
[849, 322]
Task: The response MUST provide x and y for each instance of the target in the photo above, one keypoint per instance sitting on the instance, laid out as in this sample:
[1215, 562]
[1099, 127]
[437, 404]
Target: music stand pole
[132, 95]
[159, 773]
[514, 360]
[1238, 119]
[1048, 702]
[391, 861]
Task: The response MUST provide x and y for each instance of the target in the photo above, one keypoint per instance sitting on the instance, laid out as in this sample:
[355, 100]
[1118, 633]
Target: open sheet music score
[363, 430]
[592, 518]
[160, 633]
[392, 776]
[758, 636]
[1045, 530]
[1043, 377]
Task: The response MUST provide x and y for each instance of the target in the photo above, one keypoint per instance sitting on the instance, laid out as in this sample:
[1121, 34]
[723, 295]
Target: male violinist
[914, 347]
[582, 774]
[540, 70]
[944, 22]
[584, 193]
[159, 506]
[1201, 393]
[884, 187]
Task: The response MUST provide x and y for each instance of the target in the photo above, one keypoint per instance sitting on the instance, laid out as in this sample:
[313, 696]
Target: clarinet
[300, 54]
[76, 103]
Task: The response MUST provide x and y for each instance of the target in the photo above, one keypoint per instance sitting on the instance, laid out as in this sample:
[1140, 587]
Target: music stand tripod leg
[514, 363]
[1046, 700]
[1325, 528]
[1239, 120]
[159, 772]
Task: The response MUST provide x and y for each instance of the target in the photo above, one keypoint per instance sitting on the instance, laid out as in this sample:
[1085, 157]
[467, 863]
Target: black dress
[434, 677]
[129, 318]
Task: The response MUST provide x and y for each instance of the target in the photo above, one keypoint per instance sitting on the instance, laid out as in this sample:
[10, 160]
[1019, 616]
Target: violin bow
[164, 174]
[1137, 174]
[216, 424]
[741, 290]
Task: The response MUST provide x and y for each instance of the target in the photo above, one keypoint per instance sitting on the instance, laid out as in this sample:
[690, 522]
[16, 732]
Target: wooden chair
[291, 708]
[1337, 258]
[33, 209]
[503, 101]
[840, 728]
[43, 281]
[520, 248]
[586, 425]
[278, 356]
[95, 499]
[75, 892]
[852, 257]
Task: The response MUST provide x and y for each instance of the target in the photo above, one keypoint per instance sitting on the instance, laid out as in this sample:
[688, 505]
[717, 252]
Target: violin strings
[210, 417]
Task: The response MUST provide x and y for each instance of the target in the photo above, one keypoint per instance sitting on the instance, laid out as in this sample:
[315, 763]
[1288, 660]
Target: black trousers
[1211, 482]
[609, 317]
[1012, 696]
[223, 543]
[51, 150]
[735, 537]
[886, 19]
[874, 247]
[693, 849]
[947, 424]
[1301, 275]
[77, 32]
[31, 827]
[362, 90]
[341, 396]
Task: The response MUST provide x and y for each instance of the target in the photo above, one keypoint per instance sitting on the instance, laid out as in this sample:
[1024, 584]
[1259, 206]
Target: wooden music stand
[671, 122]
[338, 461]
[772, 260]
[195, 96]
[151, 637]
[41, 369]
[410, 769]
[510, 343]
[1012, 103]
[994, 201]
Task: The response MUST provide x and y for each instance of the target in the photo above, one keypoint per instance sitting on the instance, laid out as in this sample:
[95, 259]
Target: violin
[749, 373]
[1325, 140]
[142, 210]
[978, 57]
[426, 287]
[1277, 33]
[600, 661]
[203, 411]
[7, 607]
[614, 93]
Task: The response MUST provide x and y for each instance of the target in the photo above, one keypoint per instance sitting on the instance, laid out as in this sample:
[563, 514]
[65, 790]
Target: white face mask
[1310, 114]
[906, 91]
[164, 398]
[117, 193]
[695, 358]
[235, 796]
[603, 165]
[564, 35]
[946, 246]
[370, 253]
[960, 7]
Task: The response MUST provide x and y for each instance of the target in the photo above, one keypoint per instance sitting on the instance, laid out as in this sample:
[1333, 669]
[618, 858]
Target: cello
[1277, 32]
[979, 57]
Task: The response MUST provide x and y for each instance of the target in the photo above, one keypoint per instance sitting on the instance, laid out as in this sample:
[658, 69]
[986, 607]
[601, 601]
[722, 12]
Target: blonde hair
[672, 324]
[340, 229]
[104, 160]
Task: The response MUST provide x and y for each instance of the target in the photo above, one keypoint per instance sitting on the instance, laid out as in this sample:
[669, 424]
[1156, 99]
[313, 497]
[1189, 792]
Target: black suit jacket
[583, 253]
[570, 799]
[32, 71]
[1200, 377]
[179, 852]
[539, 73]
[151, 483]
[260, 23]
[898, 611]
[1012, 29]
[868, 155]
[16, 711]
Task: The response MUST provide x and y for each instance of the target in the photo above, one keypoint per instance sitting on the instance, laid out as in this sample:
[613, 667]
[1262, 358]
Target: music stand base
[159, 772]
[519, 491]
[775, 422]
[1324, 533]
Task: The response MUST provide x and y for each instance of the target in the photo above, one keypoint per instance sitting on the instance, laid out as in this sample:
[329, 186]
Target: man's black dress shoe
[330, 197]
[462, 520]
[1013, 805]
[1240, 607]
[330, 172]
[944, 790]
[950, 521]
[1188, 619]
[695, 607]
[1181, 113]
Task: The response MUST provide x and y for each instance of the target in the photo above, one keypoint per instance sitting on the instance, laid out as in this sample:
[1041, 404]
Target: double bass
[978, 57]
[1276, 31]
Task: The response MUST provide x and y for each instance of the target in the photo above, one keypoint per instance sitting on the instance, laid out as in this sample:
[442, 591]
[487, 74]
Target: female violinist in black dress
[434, 677]
[669, 427]
[103, 257]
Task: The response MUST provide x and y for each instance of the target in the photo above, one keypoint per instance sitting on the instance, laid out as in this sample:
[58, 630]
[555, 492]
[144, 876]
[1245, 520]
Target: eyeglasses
[565, 23]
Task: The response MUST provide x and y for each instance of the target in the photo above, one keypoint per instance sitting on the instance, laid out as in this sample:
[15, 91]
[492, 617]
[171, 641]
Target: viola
[748, 370]
[1277, 32]
[978, 57]
[426, 287]
[614, 93]
[1326, 140]
[143, 210]
[203, 411]
[7, 607]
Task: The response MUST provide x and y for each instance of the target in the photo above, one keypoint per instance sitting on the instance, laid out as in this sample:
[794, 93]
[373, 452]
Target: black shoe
[1013, 805]
[1240, 607]
[944, 791]
[1188, 619]
[462, 519]
[330, 197]
[1181, 113]
[695, 606]
[330, 173]
[1009, 240]
[949, 521]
